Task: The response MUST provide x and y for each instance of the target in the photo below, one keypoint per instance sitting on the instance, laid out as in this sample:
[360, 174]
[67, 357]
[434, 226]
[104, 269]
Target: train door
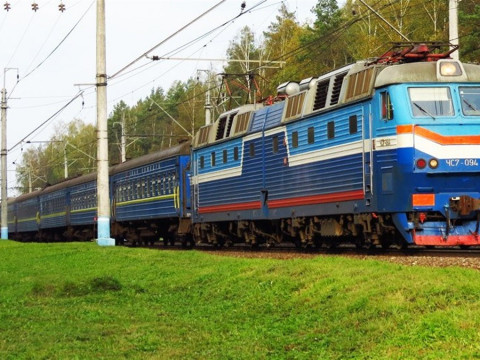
[113, 205]
[367, 138]
[193, 185]
[184, 184]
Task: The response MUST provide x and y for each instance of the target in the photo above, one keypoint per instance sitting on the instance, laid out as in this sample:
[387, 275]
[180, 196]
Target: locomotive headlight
[433, 163]
[450, 68]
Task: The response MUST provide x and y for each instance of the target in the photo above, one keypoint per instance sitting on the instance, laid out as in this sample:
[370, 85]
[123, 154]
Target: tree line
[287, 51]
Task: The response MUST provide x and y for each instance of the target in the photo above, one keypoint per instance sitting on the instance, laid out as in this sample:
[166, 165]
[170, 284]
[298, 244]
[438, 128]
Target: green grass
[79, 300]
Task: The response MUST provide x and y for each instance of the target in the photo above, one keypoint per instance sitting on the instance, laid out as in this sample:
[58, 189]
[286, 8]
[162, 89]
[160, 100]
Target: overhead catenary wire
[47, 120]
[168, 38]
[53, 51]
[61, 41]
[177, 50]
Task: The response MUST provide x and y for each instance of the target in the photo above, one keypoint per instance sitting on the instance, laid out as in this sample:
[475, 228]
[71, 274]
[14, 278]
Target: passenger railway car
[378, 150]
[150, 199]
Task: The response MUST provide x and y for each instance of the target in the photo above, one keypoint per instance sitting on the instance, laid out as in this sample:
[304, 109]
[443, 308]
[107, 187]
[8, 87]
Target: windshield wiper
[424, 111]
[469, 105]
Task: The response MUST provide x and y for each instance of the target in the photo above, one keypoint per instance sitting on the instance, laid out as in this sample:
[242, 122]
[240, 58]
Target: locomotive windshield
[435, 101]
[470, 97]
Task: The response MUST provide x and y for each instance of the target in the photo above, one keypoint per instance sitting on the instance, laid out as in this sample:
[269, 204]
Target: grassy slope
[82, 301]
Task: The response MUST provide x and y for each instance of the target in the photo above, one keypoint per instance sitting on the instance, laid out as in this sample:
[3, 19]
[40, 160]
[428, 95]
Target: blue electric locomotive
[374, 152]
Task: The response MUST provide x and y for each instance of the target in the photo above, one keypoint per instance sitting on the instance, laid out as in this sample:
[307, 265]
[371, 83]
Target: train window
[235, 153]
[225, 156]
[330, 130]
[152, 187]
[431, 102]
[387, 108]
[275, 144]
[202, 162]
[169, 184]
[311, 135]
[213, 159]
[470, 97]
[252, 149]
[353, 124]
[295, 139]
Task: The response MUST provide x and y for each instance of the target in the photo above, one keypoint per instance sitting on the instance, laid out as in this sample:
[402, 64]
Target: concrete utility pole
[3, 154]
[4, 217]
[103, 196]
[65, 161]
[208, 109]
[453, 26]
[124, 140]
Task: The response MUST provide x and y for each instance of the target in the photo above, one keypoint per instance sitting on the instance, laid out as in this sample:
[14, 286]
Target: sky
[54, 55]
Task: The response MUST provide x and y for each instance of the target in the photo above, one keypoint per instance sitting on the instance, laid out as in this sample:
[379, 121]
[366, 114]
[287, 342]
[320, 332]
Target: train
[381, 152]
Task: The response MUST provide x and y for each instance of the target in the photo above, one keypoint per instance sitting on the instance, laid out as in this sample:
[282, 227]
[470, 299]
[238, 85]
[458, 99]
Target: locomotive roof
[423, 72]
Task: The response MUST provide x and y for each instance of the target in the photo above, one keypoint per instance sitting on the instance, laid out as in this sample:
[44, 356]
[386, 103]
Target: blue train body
[150, 199]
[368, 153]
[372, 153]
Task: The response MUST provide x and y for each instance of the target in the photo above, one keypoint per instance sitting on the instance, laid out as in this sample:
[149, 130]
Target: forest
[338, 35]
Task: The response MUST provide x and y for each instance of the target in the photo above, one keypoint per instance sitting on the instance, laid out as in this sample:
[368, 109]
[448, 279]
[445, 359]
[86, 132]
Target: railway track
[412, 256]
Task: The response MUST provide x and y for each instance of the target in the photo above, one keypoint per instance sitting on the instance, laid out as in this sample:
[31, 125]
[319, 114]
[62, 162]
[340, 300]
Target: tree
[325, 44]
[281, 43]
[45, 163]
[238, 77]
[469, 19]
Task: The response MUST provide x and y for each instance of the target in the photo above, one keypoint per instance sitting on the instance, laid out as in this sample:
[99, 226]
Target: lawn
[79, 300]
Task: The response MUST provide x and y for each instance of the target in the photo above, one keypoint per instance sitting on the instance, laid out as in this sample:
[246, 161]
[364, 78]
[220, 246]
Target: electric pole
[3, 154]
[123, 139]
[103, 195]
[4, 217]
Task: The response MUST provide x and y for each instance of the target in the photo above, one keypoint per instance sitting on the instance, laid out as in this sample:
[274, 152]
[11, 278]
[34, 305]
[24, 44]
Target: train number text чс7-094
[460, 162]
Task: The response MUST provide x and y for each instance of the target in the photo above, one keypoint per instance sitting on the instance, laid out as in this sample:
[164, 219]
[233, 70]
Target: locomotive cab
[431, 110]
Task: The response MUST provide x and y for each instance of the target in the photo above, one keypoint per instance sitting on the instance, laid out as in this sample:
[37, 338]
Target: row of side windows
[213, 157]
[27, 209]
[148, 187]
[353, 129]
[84, 200]
[53, 205]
